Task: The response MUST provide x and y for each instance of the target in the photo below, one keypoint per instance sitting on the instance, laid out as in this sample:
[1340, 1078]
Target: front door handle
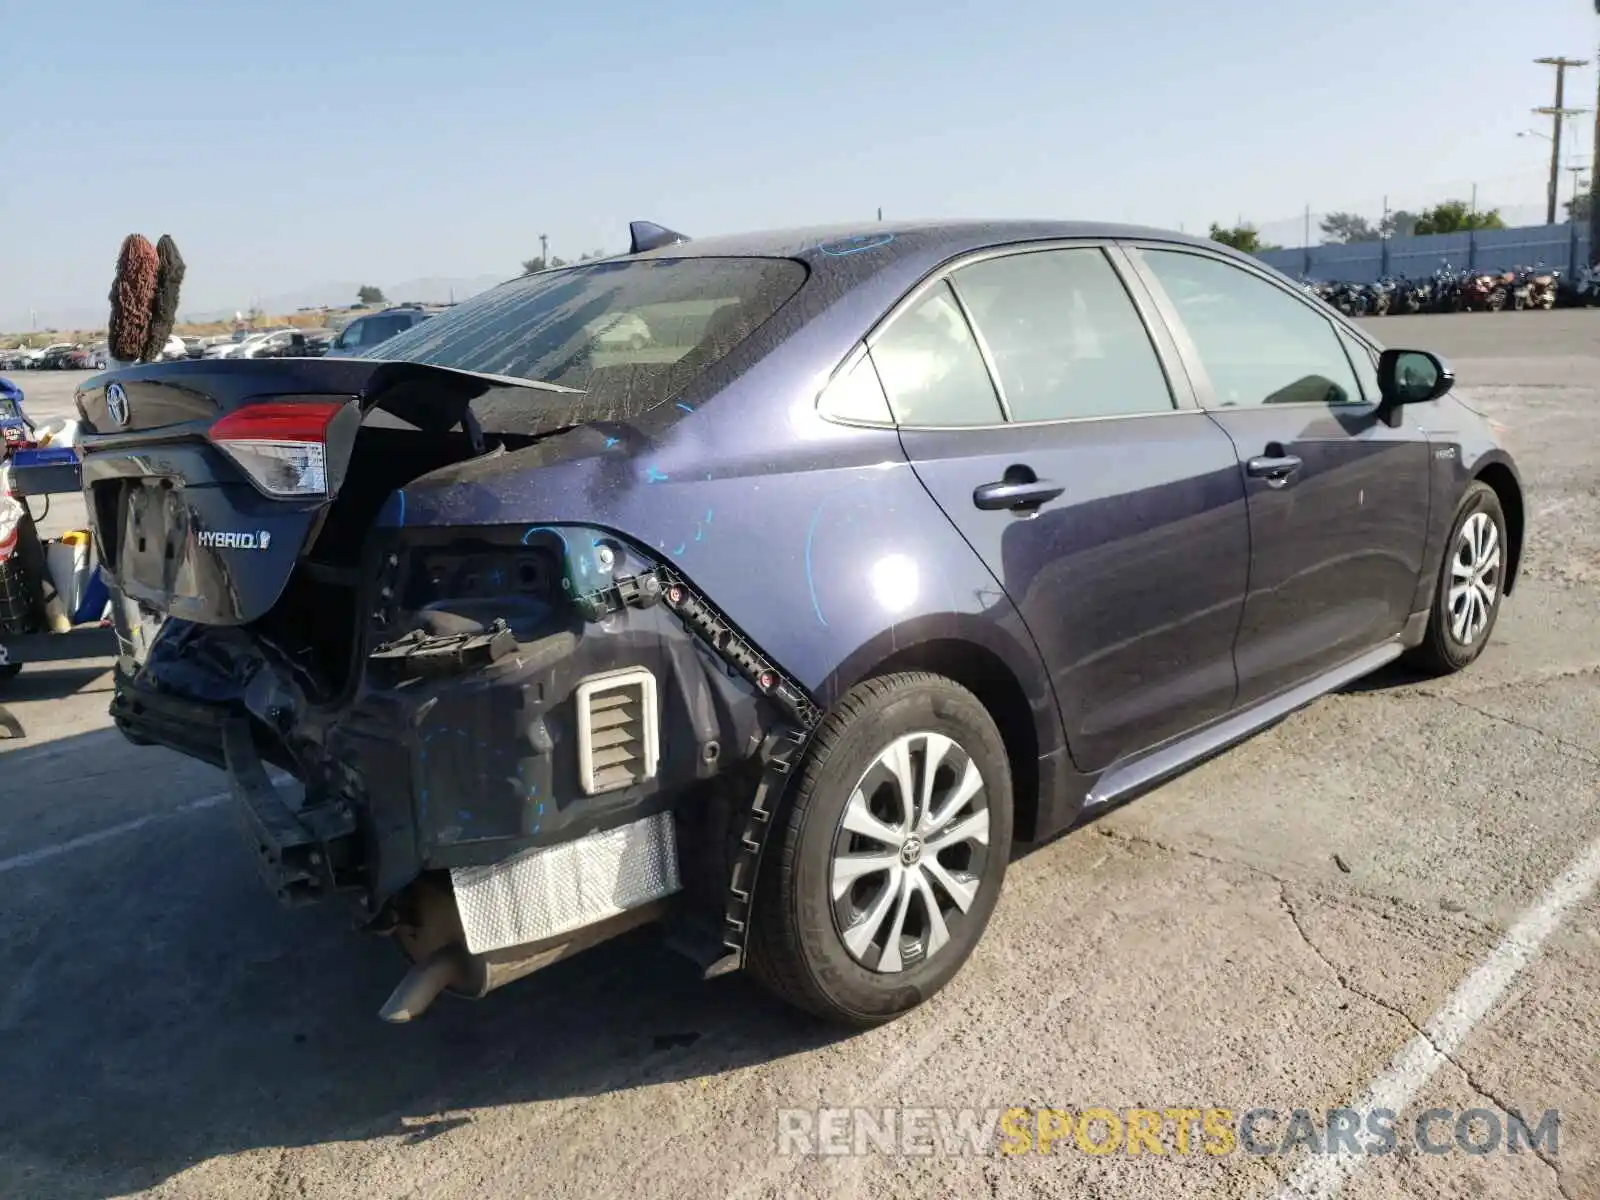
[1007, 493]
[1274, 468]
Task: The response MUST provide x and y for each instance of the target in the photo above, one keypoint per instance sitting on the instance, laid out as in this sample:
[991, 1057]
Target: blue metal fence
[1560, 246]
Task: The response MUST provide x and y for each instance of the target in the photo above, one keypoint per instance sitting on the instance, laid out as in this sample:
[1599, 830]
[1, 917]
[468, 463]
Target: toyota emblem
[117, 404]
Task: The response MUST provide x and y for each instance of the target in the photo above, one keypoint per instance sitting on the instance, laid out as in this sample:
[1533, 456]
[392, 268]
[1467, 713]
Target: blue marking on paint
[656, 475]
[533, 529]
[535, 828]
[685, 407]
[401, 492]
[811, 582]
[856, 244]
[682, 546]
[699, 533]
[611, 441]
[541, 807]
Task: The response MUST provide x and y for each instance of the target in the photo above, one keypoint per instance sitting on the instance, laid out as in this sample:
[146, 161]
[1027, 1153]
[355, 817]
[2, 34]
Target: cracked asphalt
[1271, 931]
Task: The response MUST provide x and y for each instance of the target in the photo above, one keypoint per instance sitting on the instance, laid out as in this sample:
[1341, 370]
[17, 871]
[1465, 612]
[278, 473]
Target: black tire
[1441, 651]
[9, 670]
[797, 949]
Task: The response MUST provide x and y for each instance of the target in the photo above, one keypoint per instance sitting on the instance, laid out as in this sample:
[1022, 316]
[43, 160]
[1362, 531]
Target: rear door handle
[1274, 468]
[1007, 494]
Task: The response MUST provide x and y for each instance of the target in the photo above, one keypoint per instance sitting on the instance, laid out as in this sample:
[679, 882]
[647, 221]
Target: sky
[291, 145]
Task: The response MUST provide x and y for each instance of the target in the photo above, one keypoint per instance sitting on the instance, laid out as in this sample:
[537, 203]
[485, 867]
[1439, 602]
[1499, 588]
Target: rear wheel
[887, 861]
[1466, 600]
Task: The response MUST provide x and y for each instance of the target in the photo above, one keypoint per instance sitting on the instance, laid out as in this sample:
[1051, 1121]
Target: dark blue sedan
[771, 587]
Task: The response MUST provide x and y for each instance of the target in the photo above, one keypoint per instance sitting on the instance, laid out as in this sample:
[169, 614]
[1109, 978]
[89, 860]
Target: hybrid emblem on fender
[117, 404]
[216, 539]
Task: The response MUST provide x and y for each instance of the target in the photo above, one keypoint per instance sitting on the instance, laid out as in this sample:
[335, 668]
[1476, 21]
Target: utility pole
[1558, 113]
[544, 248]
[1594, 183]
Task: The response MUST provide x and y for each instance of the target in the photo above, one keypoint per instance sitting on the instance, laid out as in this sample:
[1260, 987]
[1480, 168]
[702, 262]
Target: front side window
[351, 337]
[1258, 344]
[932, 368]
[1365, 362]
[1064, 335]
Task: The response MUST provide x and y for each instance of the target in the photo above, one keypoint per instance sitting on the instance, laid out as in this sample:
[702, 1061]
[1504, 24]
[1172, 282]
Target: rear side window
[629, 334]
[932, 368]
[1064, 335]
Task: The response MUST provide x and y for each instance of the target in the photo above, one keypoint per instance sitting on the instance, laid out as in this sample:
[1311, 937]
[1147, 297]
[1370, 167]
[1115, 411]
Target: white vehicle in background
[268, 344]
[241, 345]
[36, 357]
[174, 350]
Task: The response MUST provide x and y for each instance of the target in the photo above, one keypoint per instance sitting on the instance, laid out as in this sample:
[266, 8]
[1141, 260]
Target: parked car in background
[267, 345]
[37, 357]
[374, 329]
[87, 358]
[242, 345]
[14, 359]
[193, 347]
[55, 357]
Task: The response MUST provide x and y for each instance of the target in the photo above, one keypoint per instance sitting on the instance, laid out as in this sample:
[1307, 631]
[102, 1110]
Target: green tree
[1399, 223]
[1240, 237]
[1346, 228]
[1578, 208]
[1455, 216]
[368, 294]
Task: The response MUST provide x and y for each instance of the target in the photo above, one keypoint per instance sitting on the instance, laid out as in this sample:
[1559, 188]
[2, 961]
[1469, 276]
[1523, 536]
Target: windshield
[630, 335]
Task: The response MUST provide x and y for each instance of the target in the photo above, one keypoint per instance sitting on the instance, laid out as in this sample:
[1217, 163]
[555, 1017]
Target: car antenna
[647, 235]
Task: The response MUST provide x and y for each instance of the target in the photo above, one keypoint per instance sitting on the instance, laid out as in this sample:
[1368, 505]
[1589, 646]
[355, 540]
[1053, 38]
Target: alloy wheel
[909, 852]
[1474, 578]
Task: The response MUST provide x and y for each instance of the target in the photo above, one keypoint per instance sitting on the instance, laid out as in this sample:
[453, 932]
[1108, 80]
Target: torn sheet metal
[553, 889]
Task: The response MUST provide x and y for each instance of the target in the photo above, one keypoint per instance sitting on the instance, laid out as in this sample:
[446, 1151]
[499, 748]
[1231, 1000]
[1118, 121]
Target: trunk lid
[207, 481]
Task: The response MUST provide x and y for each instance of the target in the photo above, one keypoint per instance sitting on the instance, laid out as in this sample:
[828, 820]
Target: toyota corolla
[867, 555]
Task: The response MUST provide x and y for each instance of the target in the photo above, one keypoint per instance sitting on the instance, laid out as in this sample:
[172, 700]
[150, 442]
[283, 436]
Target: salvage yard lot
[1265, 932]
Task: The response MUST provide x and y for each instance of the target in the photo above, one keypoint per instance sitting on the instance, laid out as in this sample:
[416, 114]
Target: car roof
[818, 245]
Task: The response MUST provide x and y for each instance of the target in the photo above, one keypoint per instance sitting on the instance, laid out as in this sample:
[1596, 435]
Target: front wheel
[1466, 601]
[887, 860]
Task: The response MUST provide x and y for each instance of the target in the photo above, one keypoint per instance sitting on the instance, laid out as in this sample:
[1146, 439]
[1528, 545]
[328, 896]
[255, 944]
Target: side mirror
[1410, 377]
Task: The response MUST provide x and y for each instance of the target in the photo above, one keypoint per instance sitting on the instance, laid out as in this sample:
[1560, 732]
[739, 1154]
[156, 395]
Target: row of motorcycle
[1450, 290]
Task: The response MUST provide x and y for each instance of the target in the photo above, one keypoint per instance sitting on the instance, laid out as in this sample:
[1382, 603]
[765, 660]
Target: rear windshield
[629, 335]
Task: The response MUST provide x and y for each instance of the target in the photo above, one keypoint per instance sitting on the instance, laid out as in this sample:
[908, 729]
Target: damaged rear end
[502, 743]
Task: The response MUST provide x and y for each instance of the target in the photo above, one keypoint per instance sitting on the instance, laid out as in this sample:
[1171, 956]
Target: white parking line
[1323, 1177]
[45, 853]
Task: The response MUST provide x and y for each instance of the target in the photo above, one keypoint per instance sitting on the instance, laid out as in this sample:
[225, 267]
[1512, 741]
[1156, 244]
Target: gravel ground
[1273, 930]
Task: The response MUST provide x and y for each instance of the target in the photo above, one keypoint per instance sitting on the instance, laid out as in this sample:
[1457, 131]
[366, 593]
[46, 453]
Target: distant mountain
[431, 290]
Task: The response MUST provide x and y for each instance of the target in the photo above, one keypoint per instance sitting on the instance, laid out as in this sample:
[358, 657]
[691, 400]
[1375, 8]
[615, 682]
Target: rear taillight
[282, 447]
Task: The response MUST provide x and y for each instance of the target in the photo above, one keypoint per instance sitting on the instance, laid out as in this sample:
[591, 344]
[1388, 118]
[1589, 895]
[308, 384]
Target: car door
[1338, 498]
[1040, 414]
